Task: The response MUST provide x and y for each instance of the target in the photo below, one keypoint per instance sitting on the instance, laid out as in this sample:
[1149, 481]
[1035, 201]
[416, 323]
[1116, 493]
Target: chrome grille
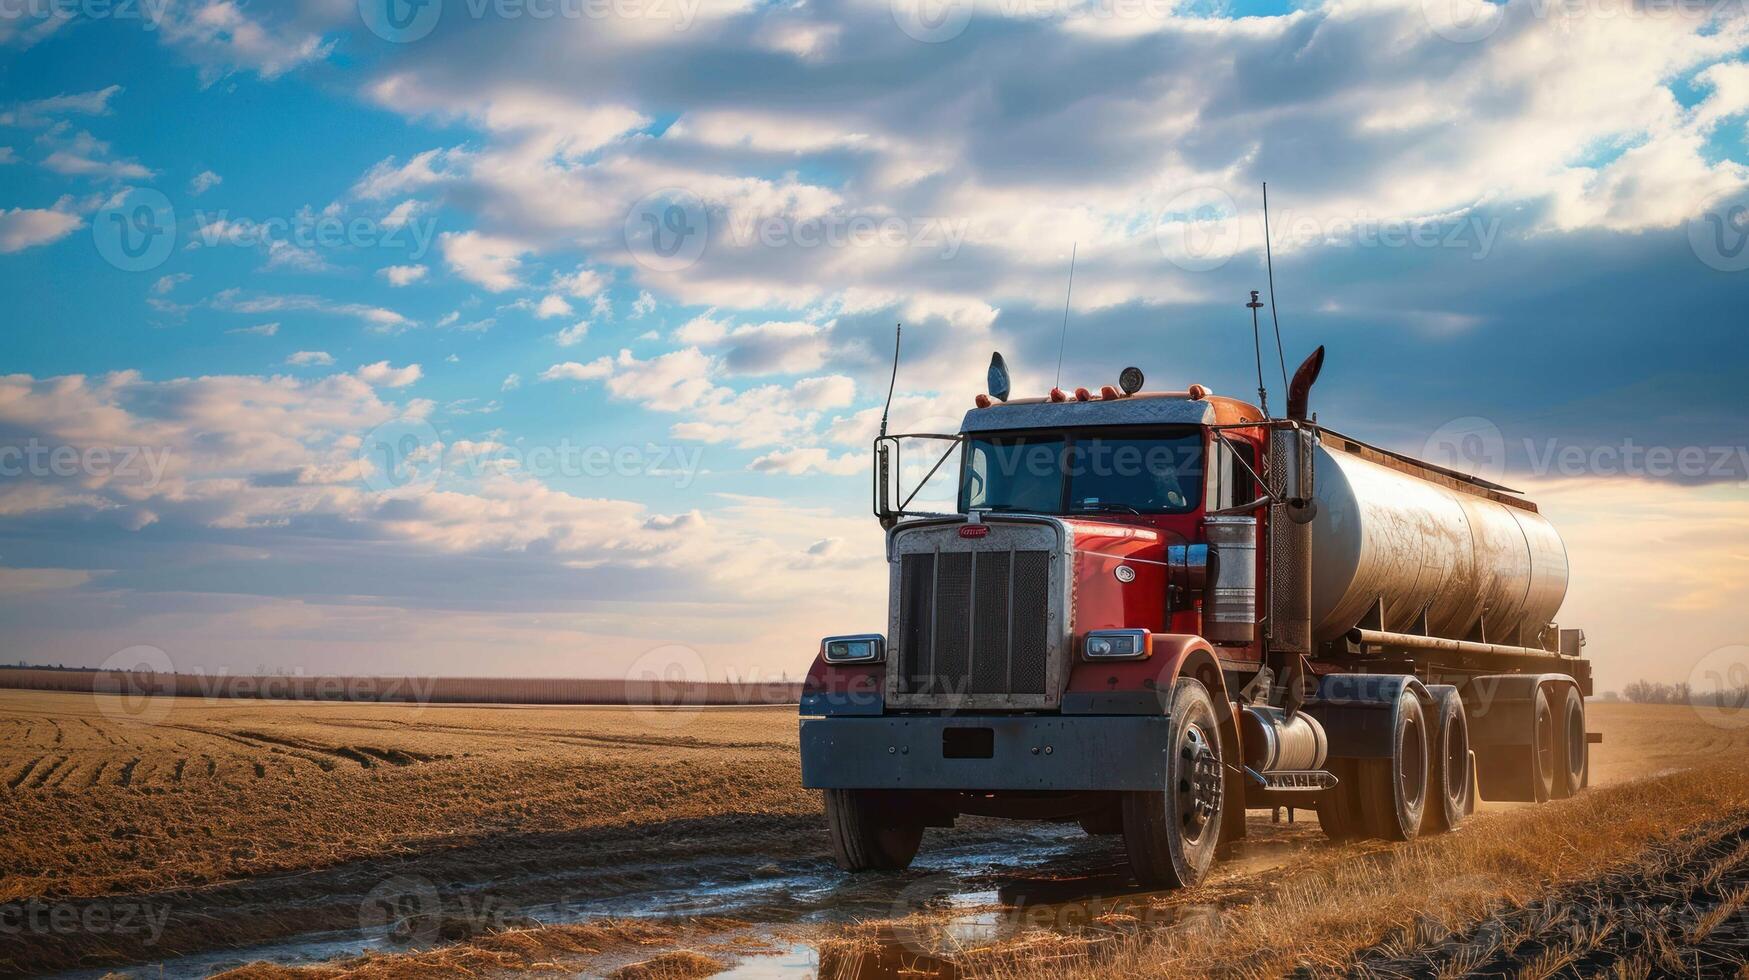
[973, 622]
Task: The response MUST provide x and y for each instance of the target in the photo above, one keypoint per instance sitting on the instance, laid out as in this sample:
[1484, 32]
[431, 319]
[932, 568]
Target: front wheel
[1171, 835]
[870, 831]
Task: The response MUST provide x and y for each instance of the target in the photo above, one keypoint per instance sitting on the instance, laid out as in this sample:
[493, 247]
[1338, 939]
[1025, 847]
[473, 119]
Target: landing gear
[1171, 835]
[869, 831]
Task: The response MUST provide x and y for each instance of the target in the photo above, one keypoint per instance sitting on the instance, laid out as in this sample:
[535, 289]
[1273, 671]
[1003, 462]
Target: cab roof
[1141, 409]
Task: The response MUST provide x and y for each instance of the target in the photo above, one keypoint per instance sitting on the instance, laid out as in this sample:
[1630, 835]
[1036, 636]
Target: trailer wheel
[869, 833]
[1451, 763]
[1545, 751]
[1339, 807]
[1575, 752]
[1393, 792]
[1171, 835]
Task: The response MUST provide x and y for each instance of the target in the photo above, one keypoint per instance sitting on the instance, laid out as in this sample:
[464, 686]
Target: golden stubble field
[238, 822]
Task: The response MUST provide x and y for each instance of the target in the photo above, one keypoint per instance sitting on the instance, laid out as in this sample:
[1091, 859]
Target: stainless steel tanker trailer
[1151, 611]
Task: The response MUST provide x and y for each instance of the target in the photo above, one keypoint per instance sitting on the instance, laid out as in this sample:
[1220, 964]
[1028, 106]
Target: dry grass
[254, 820]
[225, 790]
[1399, 902]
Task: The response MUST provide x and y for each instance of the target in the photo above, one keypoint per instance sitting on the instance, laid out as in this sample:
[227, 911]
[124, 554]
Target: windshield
[1084, 473]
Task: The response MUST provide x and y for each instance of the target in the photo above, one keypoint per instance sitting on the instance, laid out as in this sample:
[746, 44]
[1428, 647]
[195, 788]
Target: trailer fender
[1359, 712]
[1500, 707]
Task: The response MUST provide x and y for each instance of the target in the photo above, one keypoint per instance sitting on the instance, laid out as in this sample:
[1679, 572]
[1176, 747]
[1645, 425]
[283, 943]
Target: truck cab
[1121, 624]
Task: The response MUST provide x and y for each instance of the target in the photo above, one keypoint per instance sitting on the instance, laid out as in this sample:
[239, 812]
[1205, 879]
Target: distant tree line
[1653, 692]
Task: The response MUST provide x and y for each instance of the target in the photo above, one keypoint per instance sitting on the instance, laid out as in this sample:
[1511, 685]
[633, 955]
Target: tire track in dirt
[1683, 909]
[24, 773]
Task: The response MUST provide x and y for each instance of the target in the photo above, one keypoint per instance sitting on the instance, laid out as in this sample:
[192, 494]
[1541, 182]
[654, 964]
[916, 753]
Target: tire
[1103, 823]
[1171, 835]
[1575, 751]
[1339, 807]
[1393, 792]
[1545, 748]
[1450, 784]
[869, 832]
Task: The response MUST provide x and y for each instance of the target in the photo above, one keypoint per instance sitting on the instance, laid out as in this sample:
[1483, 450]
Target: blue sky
[615, 285]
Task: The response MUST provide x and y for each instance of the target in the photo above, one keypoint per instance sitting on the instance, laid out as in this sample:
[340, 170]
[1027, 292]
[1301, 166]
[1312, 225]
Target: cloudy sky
[523, 337]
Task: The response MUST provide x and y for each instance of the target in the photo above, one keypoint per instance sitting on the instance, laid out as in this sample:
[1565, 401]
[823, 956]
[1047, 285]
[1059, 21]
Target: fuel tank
[1380, 533]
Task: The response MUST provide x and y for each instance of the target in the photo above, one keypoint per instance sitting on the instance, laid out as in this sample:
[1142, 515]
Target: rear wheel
[1171, 835]
[1339, 807]
[1575, 771]
[1393, 792]
[870, 831]
[1545, 751]
[1451, 764]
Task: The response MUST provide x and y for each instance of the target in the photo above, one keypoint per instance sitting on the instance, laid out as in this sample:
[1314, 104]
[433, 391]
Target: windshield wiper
[1104, 507]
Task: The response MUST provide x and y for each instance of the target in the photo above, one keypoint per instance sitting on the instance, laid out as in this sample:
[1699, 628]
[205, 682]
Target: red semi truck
[1153, 611]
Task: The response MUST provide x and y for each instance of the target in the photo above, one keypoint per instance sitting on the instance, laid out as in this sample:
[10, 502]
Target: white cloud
[572, 335]
[38, 111]
[403, 275]
[378, 318]
[551, 306]
[221, 37]
[511, 382]
[644, 305]
[573, 371]
[485, 260]
[22, 228]
[798, 462]
[583, 284]
[261, 330]
[383, 375]
[310, 358]
[204, 181]
[402, 213]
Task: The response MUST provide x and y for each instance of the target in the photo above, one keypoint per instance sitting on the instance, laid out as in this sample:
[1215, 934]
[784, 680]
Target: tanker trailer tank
[1478, 568]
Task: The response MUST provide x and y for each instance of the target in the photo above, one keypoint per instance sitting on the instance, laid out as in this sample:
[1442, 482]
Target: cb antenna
[1065, 341]
[1269, 260]
[1257, 345]
[898, 333]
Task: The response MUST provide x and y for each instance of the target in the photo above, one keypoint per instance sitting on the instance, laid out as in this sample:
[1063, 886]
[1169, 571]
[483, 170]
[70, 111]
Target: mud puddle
[968, 887]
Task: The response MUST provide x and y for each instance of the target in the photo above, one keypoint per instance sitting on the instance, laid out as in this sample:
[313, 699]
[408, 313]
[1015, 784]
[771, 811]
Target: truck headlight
[863, 648]
[1115, 645]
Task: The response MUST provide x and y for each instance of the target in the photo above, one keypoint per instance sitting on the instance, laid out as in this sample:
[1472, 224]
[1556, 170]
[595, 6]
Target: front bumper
[1008, 752]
